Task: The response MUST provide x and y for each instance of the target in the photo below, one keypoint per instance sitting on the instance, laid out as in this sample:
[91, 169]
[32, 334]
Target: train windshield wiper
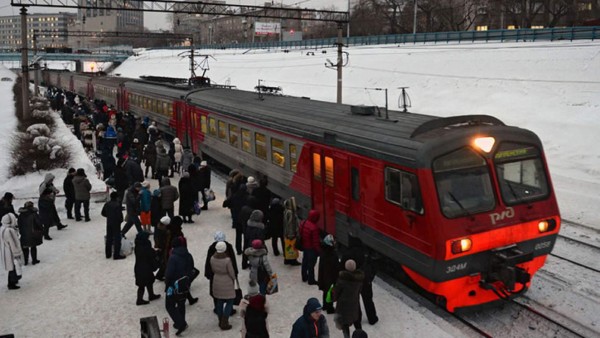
[465, 212]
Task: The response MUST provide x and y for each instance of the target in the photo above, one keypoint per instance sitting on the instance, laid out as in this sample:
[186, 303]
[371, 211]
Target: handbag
[210, 194]
[238, 293]
[273, 285]
[329, 297]
[197, 209]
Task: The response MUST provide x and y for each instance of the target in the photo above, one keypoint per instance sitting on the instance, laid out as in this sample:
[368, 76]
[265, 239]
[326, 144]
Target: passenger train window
[317, 166]
[166, 109]
[293, 158]
[246, 140]
[463, 183]
[278, 152]
[260, 145]
[203, 126]
[402, 188]
[212, 126]
[222, 131]
[521, 173]
[234, 135]
[329, 171]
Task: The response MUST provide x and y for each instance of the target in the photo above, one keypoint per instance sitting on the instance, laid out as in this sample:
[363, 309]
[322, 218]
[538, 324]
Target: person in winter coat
[133, 171]
[121, 182]
[254, 310]
[347, 296]
[275, 225]
[251, 184]
[48, 189]
[329, 269]
[146, 207]
[187, 193]
[263, 196]
[10, 249]
[156, 212]
[160, 244]
[260, 268]
[82, 194]
[31, 230]
[186, 158]
[365, 263]
[150, 160]
[168, 196]
[360, 334]
[69, 192]
[132, 204]
[254, 228]
[114, 217]
[6, 205]
[179, 264]
[48, 213]
[223, 286]
[311, 244]
[177, 154]
[290, 232]
[145, 265]
[208, 273]
[163, 163]
[204, 174]
[312, 323]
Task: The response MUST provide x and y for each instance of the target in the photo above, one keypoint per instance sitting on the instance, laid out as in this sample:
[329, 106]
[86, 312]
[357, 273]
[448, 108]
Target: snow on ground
[550, 88]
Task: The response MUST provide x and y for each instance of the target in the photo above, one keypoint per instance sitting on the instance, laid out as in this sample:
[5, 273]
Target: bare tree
[429, 20]
[557, 9]
[457, 15]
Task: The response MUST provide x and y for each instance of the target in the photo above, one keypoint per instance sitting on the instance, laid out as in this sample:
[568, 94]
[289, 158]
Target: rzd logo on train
[500, 216]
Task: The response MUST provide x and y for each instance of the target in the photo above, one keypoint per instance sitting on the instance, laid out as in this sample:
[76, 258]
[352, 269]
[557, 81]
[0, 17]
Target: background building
[10, 30]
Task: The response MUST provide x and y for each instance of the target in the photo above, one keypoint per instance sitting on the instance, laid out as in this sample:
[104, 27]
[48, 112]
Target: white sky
[155, 21]
[552, 89]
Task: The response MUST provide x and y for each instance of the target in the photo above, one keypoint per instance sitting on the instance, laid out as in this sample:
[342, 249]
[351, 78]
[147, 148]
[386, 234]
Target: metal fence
[500, 35]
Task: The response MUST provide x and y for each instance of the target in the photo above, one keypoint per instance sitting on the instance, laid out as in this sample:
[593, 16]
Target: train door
[323, 184]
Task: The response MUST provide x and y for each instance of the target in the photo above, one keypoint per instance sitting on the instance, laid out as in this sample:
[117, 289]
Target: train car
[111, 90]
[461, 206]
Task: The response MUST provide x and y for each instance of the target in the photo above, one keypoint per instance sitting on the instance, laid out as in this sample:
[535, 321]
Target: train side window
[277, 152]
[355, 184]
[159, 108]
[260, 143]
[293, 158]
[203, 125]
[329, 171]
[212, 126]
[222, 131]
[234, 135]
[246, 140]
[317, 166]
[170, 108]
[402, 188]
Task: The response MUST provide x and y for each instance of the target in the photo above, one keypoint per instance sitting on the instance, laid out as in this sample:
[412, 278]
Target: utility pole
[415, 19]
[339, 63]
[24, 65]
[36, 77]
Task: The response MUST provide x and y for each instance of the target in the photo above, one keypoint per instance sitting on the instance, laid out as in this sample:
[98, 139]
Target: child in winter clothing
[254, 310]
[260, 269]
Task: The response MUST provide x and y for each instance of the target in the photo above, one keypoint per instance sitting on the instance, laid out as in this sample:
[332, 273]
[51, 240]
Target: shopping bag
[126, 247]
[197, 209]
[329, 296]
[238, 293]
[210, 194]
[273, 285]
[289, 251]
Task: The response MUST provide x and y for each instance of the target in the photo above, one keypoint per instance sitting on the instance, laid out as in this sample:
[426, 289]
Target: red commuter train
[463, 206]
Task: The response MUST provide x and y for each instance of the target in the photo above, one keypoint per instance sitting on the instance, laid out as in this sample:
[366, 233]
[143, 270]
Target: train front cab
[495, 219]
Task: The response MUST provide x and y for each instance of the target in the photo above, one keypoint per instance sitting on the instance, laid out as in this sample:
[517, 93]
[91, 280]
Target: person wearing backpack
[223, 285]
[177, 283]
[260, 268]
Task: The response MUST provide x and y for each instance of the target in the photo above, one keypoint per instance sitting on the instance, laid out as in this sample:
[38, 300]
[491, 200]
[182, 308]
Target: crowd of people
[256, 215]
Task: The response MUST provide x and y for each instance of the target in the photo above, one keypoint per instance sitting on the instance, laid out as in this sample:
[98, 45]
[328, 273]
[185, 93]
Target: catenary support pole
[36, 68]
[339, 63]
[24, 65]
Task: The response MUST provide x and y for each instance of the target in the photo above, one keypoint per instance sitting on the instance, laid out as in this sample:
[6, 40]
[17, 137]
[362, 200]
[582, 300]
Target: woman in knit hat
[347, 294]
[254, 310]
[260, 268]
[223, 286]
[208, 273]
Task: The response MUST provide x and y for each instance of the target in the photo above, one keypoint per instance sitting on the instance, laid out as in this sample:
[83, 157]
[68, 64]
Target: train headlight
[484, 143]
[461, 245]
[546, 225]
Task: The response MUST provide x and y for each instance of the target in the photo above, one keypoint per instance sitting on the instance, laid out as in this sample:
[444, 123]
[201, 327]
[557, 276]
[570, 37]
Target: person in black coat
[132, 205]
[150, 159]
[329, 269]
[6, 204]
[31, 230]
[347, 296]
[145, 265]
[179, 264]
[69, 192]
[134, 172]
[47, 212]
[208, 273]
[204, 174]
[156, 211]
[366, 263]
[312, 323]
[275, 225]
[108, 163]
[241, 225]
[263, 196]
[187, 195]
[114, 217]
[121, 183]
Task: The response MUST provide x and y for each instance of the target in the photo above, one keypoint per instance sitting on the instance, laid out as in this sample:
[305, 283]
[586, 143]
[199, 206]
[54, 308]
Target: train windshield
[463, 183]
[521, 174]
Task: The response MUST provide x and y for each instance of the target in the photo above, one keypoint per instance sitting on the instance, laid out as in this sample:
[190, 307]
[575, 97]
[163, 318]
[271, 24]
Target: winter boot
[224, 323]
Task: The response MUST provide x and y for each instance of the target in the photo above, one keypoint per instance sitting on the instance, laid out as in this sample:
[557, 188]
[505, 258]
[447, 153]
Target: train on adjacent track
[462, 206]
